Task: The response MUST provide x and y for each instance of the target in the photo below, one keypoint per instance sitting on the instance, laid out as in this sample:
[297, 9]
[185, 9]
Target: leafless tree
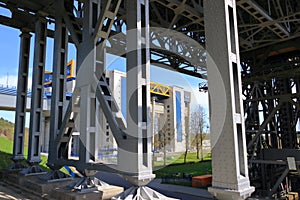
[197, 125]
[187, 137]
[161, 139]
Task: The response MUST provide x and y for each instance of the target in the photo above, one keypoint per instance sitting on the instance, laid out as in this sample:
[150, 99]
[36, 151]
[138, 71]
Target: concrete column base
[230, 194]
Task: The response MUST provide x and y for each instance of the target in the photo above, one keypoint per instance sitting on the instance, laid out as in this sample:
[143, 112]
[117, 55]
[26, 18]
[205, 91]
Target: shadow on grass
[6, 161]
[193, 169]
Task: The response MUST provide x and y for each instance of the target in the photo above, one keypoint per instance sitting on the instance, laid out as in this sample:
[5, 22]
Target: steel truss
[266, 29]
[272, 111]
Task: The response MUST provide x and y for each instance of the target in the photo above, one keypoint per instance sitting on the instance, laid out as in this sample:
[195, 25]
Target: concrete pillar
[36, 109]
[19, 130]
[229, 156]
[134, 154]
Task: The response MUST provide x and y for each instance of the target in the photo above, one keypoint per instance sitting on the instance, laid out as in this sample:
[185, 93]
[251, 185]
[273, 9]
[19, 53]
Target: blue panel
[69, 70]
[48, 77]
[178, 117]
[123, 96]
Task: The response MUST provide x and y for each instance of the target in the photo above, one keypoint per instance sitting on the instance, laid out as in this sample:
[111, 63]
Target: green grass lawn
[6, 148]
[5, 153]
[193, 166]
[179, 158]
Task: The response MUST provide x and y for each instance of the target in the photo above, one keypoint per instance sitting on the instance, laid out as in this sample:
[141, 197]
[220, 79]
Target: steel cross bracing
[272, 108]
[100, 33]
[261, 23]
[266, 28]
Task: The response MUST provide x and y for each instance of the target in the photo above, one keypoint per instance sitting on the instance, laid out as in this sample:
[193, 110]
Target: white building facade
[171, 117]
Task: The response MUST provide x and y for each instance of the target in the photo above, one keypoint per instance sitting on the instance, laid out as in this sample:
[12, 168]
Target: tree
[161, 140]
[187, 136]
[197, 125]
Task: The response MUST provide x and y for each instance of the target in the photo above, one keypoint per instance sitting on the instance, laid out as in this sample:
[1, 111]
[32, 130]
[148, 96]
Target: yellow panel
[159, 89]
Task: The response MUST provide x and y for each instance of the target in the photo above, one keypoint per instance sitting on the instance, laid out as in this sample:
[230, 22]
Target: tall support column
[19, 130]
[36, 111]
[134, 154]
[58, 98]
[229, 158]
[87, 126]
[153, 123]
[87, 82]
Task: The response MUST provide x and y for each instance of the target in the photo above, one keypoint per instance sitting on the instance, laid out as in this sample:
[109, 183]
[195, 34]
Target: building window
[107, 133]
[107, 139]
[178, 117]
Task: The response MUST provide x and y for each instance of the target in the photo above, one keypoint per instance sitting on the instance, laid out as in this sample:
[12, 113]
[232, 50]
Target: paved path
[174, 191]
[8, 192]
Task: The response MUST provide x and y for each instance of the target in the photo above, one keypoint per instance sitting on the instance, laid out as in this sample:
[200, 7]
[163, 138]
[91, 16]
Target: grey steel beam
[58, 99]
[106, 19]
[229, 156]
[74, 34]
[260, 14]
[108, 103]
[20, 115]
[278, 182]
[88, 51]
[86, 82]
[36, 112]
[281, 154]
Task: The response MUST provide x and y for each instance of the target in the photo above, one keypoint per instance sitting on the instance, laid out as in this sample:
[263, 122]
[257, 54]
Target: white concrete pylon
[229, 156]
[134, 154]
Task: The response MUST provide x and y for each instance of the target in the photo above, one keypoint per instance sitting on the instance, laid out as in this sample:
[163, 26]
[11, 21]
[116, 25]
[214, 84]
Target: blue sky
[9, 61]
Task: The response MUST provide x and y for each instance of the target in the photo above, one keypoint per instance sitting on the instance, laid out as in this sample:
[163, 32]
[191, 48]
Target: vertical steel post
[87, 83]
[230, 168]
[36, 111]
[19, 130]
[134, 154]
[58, 98]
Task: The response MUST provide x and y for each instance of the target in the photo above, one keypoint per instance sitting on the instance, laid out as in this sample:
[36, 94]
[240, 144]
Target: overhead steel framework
[264, 36]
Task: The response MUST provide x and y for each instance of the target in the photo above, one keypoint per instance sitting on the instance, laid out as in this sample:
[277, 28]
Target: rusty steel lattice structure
[262, 35]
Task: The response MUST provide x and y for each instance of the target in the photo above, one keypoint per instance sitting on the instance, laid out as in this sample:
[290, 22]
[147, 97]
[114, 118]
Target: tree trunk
[201, 145]
[201, 153]
[165, 156]
[197, 147]
[185, 155]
